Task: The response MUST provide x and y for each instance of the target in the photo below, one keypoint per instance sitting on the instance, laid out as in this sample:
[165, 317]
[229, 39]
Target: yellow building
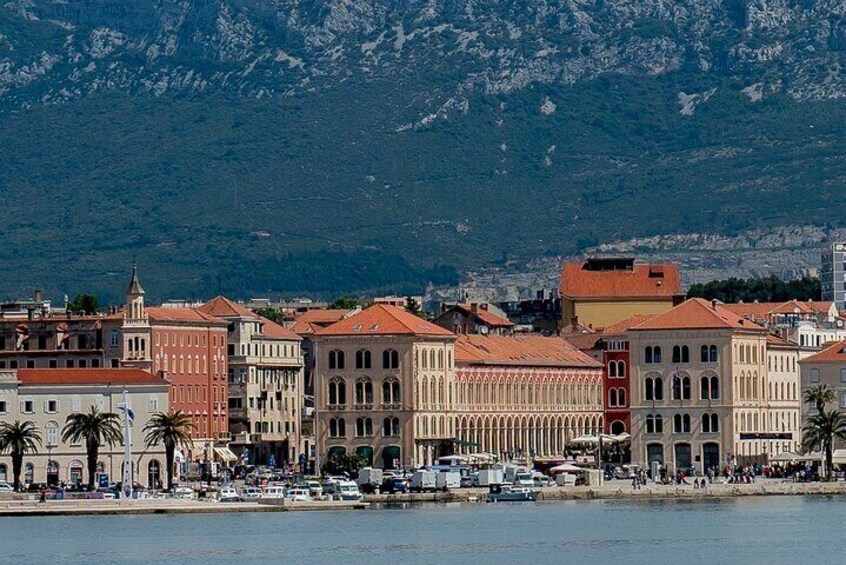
[602, 292]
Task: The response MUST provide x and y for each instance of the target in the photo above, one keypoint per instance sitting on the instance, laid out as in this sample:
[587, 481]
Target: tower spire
[134, 287]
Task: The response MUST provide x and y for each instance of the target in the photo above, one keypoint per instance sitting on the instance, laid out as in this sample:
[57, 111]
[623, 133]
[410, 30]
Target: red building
[189, 347]
[615, 356]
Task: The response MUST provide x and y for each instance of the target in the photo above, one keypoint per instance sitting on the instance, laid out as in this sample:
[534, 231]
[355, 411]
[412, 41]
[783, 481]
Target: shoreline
[608, 491]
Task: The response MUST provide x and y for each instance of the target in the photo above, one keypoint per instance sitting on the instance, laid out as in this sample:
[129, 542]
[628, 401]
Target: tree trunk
[17, 465]
[829, 460]
[169, 462]
[92, 450]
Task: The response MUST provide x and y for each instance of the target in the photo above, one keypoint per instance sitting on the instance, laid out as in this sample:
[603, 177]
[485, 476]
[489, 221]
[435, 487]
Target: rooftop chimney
[38, 295]
[714, 304]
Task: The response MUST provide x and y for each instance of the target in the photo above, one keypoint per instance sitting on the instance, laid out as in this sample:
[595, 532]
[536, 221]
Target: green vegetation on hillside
[768, 289]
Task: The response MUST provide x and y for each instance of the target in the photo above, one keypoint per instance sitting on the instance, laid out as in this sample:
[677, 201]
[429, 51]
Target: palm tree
[171, 429]
[820, 432]
[19, 438]
[819, 396]
[95, 428]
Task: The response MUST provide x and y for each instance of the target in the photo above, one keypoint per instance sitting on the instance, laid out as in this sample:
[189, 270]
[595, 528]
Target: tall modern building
[833, 274]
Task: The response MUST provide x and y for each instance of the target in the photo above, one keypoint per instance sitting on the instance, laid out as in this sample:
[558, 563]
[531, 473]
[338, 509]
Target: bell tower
[137, 333]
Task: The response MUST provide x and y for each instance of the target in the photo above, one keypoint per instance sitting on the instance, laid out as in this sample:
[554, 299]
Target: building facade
[384, 388]
[602, 292]
[699, 389]
[265, 377]
[833, 274]
[524, 397]
[473, 318]
[828, 367]
[48, 396]
[784, 395]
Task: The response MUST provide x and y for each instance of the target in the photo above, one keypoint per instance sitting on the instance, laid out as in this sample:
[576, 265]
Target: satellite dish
[483, 330]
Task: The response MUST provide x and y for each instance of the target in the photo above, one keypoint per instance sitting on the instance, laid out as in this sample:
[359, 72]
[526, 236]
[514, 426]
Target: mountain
[292, 146]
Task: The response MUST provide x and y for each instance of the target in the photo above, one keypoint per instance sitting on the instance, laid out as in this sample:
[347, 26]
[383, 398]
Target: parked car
[393, 485]
[6, 487]
[315, 489]
[273, 492]
[467, 481]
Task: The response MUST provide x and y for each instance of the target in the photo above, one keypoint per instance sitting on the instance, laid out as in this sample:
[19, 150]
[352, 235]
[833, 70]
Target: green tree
[343, 464]
[344, 303]
[171, 429]
[820, 432]
[95, 428]
[413, 306]
[271, 314]
[819, 396]
[19, 438]
[84, 304]
[767, 289]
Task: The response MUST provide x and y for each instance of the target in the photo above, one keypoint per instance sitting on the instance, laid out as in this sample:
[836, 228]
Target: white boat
[228, 494]
[512, 493]
[273, 492]
[251, 493]
[298, 495]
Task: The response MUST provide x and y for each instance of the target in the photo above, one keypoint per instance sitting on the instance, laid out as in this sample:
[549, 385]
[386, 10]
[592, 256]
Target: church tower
[137, 333]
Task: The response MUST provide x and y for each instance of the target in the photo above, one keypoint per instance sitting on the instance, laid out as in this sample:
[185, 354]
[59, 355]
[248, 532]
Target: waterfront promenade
[614, 490]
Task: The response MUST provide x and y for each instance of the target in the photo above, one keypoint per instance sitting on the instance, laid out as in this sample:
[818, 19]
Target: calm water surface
[771, 530]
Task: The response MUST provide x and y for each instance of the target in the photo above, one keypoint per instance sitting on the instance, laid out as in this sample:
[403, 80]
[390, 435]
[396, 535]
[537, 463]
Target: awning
[839, 457]
[565, 468]
[813, 456]
[225, 454]
[464, 443]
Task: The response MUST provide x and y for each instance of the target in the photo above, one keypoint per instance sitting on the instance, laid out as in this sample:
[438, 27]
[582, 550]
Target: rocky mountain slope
[258, 145]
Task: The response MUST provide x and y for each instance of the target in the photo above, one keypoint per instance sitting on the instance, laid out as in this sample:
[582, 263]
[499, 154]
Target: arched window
[649, 393]
[715, 423]
[703, 354]
[685, 388]
[712, 354]
[677, 388]
[706, 423]
[364, 391]
[390, 359]
[612, 369]
[337, 427]
[648, 356]
[650, 424]
[704, 386]
[656, 353]
[685, 354]
[676, 354]
[715, 388]
[363, 427]
[336, 359]
[612, 397]
[621, 396]
[390, 391]
[654, 424]
[362, 359]
[621, 369]
[337, 392]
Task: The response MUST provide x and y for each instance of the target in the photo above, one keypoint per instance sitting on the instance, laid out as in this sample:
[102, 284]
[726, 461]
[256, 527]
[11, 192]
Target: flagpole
[127, 449]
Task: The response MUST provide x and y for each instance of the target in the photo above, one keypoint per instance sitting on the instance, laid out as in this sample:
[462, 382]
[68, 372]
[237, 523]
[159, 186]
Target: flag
[130, 415]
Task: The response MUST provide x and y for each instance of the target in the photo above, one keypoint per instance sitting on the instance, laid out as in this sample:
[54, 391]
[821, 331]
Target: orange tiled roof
[623, 326]
[529, 350]
[222, 307]
[776, 341]
[88, 376]
[697, 313]
[582, 340]
[761, 310]
[382, 319]
[312, 320]
[485, 316]
[274, 330]
[835, 353]
[184, 315]
[643, 281]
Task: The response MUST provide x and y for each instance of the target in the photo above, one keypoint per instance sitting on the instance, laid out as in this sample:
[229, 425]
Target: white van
[448, 480]
[347, 490]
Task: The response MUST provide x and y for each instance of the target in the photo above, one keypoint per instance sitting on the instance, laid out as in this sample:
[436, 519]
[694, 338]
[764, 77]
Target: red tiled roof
[382, 319]
[274, 330]
[486, 317]
[88, 376]
[222, 307]
[582, 340]
[643, 281]
[185, 315]
[312, 320]
[697, 313]
[623, 326]
[530, 350]
[835, 353]
[776, 341]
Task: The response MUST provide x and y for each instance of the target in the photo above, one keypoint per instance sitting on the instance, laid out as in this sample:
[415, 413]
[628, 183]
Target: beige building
[828, 367]
[523, 397]
[48, 396]
[384, 388]
[699, 390]
[265, 385]
[603, 291]
[784, 395]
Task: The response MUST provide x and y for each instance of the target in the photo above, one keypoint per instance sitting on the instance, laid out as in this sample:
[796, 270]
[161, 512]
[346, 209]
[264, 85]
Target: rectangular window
[95, 363]
[114, 338]
[3, 408]
[843, 375]
[13, 364]
[83, 363]
[153, 404]
[30, 363]
[52, 363]
[76, 403]
[28, 407]
[69, 363]
[52, 406]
